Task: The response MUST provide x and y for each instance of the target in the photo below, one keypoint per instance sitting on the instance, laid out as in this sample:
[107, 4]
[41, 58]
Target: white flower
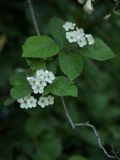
[43, 102]
[78, 35]
[32, 101]
[50, 100]
[72, 36]
[69, 26]
[40, 74]
[31, 80]
[40, 80]
[49, 77]
[27, 102]
[82, 42]
[38, 88]
[90, 39]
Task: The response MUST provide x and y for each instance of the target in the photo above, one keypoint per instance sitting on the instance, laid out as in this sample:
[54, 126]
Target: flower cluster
[30, 101]
[75, 34]
[27, 102]
[46, 101]
[38, 82]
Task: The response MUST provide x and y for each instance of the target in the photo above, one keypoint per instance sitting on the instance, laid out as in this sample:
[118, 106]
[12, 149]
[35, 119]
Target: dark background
[45, 134]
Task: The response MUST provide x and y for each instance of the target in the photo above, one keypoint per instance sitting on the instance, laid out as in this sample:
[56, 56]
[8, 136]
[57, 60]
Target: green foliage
[99, 87]
[36, 64]
[63, 87]
[57, 31]
[21, 87]
[40, 47]
[9, 101]
[71, 64]
[20, 91]
[76, 157]
[49, 150]
[99, 51]
[33, 128]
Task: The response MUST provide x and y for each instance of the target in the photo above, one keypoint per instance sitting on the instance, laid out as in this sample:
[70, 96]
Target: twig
[33, 17]
[87, 124]
[74, 125]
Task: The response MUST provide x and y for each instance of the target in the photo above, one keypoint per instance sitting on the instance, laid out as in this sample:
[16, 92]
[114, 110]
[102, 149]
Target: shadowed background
[45, 134]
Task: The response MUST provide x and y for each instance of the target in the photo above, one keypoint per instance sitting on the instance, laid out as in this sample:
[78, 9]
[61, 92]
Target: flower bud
[81, 1]
[88, 7]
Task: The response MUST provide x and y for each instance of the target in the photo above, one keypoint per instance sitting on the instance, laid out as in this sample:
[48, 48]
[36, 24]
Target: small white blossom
[31, 80]
[82, 42]
[69, 26]
[90, 39]
[43, 102]
[40, 74]
[50, 100]
[27, 102]
[78, 35]
[40, 82]
[49, 77]
[38, 89]
[72, 36]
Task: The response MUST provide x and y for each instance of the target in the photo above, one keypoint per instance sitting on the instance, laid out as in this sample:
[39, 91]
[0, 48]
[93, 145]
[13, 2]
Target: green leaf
[63, 87]
[33, 128]
[57, 31]
[9, 101]
[77, 157]
[20, 91]
[36, 63]
[71, 64]
[21, 86]
[18, 79]
[50, 148]
[40, 47]
[99, 51]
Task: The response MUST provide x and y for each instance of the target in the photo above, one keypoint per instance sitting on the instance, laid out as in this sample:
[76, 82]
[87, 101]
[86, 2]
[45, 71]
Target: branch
[74, 125]
[33, 17]
[87, 124]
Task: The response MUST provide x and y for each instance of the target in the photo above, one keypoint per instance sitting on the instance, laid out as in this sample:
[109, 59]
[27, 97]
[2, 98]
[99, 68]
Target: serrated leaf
[40, 47]
[63, 87]
[98, 51]
[71, 64]
[57, 31]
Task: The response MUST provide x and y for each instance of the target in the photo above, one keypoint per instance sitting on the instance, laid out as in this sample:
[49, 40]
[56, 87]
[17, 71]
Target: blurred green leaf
[49, 149]
[9, 101]
[77, 157]
[19, 79]
[34, 126]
